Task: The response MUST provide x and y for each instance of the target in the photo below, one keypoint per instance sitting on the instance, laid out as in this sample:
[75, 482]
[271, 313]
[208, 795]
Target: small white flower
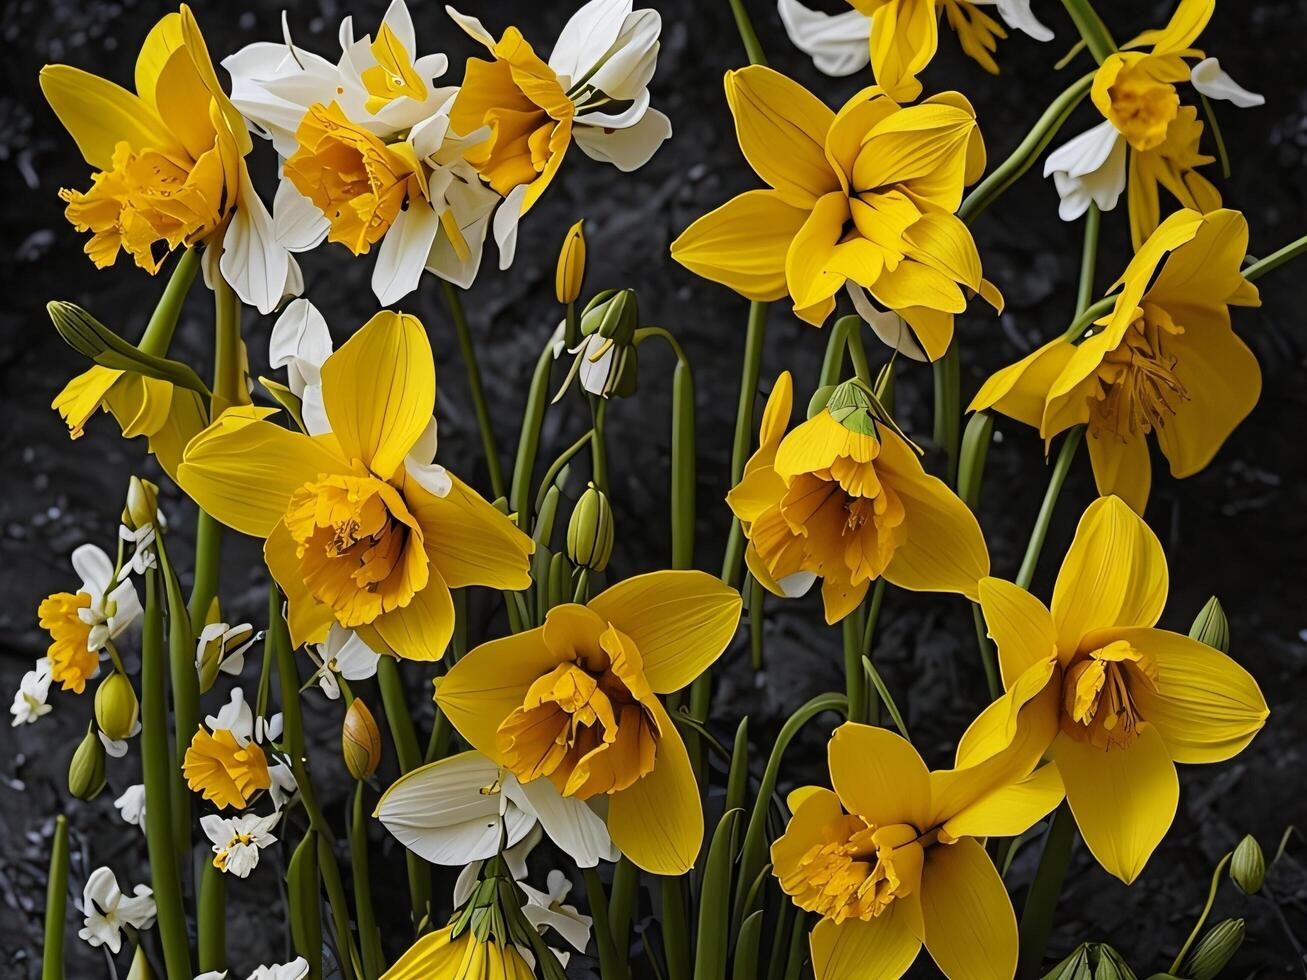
[343, 653]
[296, 969]
[108, 910]
[142, 541]
[229, 643]
[238, 840]
[131, 805]
[30, 698]
[114, 605]
[116, 748]
[283, 785]
[1091, 167]
[237, 718]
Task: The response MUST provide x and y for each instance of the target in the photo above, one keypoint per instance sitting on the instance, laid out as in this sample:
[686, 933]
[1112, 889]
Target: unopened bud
[590, 531]
[1211, 626]
[116, 706]
[360, 741]
[140, 969]
[86, 770]
[1110, 965]
[217, 644]
[1248, 866]
[1074, 967]
[1214, 950]
[571, 264]
[142, 504]
[850, 406]
[613, 315]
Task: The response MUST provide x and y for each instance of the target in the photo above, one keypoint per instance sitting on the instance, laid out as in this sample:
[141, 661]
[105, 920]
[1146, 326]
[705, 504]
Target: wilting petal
[971, 931]
[837, 43]
[878, 775]
[743, 244]
[860, 949]
[1211, 80]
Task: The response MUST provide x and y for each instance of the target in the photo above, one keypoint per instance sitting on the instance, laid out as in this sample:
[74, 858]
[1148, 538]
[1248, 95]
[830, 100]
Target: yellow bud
[1211, 626]
[360, 741]
[142, 504]
[1248, 866]
[86, 770]
[1214, 951]
[116, 706]
[590, 531]
[140, 969]
[571, 265]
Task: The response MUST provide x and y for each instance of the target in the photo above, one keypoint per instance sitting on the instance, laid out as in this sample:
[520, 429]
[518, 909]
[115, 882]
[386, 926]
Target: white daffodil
[30, 698]
[1090, 167]
[238, 840]
[131, 805]
[459, 810]
[236, 717]
[838, 43]
[107, 910]
[221, 648]
[296, 969]
[378, 106]
[114, 603]
[343, 653]
[593, 91]
[141, 540]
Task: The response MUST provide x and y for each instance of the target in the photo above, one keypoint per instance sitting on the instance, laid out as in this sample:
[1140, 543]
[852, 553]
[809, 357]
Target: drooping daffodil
[1163, 362]
[225, 761]
[863, 200]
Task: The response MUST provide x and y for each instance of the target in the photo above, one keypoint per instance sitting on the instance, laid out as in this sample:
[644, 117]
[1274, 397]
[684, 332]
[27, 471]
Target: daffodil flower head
[108, 911]
[360, 529]
[225, 770]
[574, 702]
[843, 497]
[1120, 701]
[1163, 363]
[441, 954]
[29, 702]
[865, 198]
[81, 624]
[237, 841]
[889, 858]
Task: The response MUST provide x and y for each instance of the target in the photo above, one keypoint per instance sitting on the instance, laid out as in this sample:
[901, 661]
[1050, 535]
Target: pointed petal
[403, 253]
[99, 114]
[1020, 391]
[878, 775]
[1122, 467]
[971, 931]
[1020, 626]
[1212, 81]
[422, 629]
[872, 949]
[743, 244]
[1012, 809]
[570, 823]
[468, 540]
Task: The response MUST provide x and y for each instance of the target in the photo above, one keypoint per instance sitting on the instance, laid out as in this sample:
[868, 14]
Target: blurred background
[1236, 531]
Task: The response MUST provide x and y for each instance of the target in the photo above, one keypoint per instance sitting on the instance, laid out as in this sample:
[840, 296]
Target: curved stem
[1275, 259]
[163, 321]
[832, 363]
[465, 345]
[1202, 919]
[855, 682]
[1092, 29]
[748, 35]
[1039, 532]
[56, 904]
[857, 353]
[557, 465]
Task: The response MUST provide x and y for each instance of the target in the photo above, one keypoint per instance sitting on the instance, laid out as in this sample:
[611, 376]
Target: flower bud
[142, 504]
[116, 706]
[590, 531]
[217, 644]
[1110, 965]
[571, 264]
[1248, 866]
[360, 741]
[86, 770]
[1074, 967]
[1211, 626]
[140, 969]
[1214, 951]
[613, 315]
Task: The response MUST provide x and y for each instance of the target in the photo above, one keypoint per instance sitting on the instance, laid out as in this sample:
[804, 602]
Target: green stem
[753, 344]
[185, 693]
[557, 465]
[211, 919]
[598, 445]
[405, 738]
[855, 686]
[459, 316]
[676, 932]
[1070, 444]
[1088, 258]
[1091, 27]
[1275, 259]
[858, 353]
[988, 656]
[374, 963]
[56, 904]
[163, 322]
[610, 964]
[537, 401]
[752, 48]
[948, 408]
[1202, 919]
[683, 441]
[837, 345]
[1041, 902]
[621, 906]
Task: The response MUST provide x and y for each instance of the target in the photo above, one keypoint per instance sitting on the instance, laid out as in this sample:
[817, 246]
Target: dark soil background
[1237, 530]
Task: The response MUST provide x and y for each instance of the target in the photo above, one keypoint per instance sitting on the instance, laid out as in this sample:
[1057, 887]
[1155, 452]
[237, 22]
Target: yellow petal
[187, 416]
[680, 621]
[921, 149]
[868, 949]
[1113, 575]
[1020, 390]
[1207, 270]
[309, 620]
[99, 115]
[853, 122]
[743, 243]
[782, 130]
[879, 775]
[940, 240]
[422, 629]
[944, 550]
[1123, 799]
[812, 282]
[379, 390]
[1122, 467]
[1188, 21]
[816, 444]
[243, 469]
[1206, 707]
[776, 414]
[1020, 626]
[468, 540]
[914, 284]
[1026, 713]
[971, 931]
[904, 37]
[1012, 809]
[657, 821]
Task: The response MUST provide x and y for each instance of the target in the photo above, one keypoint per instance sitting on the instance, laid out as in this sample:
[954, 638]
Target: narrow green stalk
[1275, 259]
[683, 440]
[163, 322]
[1070, 444]
[873, 675]
[1041, 901]
[1088, 258]
[157, 774]
[676, 932]
[872, 605]
[599, 444]
[459, 316]
[971, 461]
[752, 48]
[713, 939]
[303, 884]
[988, 655]
[374, 962]
[185, 694]
[528, 445]
[1202, 919]
[948, 408]
[211, 919]
[610, 963]
[837, 344]
[1091, 27]
[753, 344]
[1214, 126]
[858, 353]
[621, 907]
[855, 683]
[56, 904]
[208, 556]
[556, 467]
[756, 598]
[405, 738]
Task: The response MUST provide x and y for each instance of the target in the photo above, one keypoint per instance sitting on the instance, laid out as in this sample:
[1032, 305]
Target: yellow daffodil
[1125, 700]
[865, 198]
[890, 858]
[224, 768]
[844, 498]
[83, 623]
[436, 956]
[575, 702]
[72, 664]
[1164, 361]
[170, 168]
[361, 528]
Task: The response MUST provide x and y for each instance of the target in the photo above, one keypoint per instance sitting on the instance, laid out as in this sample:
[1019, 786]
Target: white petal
[891, 328]
[632, 58]
[115, 748]
[1017, 14]
[506, 221]
[471, 203]
[398, 19]
[403, 252]
[573, 927]
[235, 717]
[587, 36]
[1085, 153]
[837, 43]
[1091, 167]
[218, 829]
[569, 822]
[474, 28]
[314, 410]
[297, 222]
[94, 568]
[128, 609]
[300, 342]
[277, 110]
[253, 261]
[623, 119]
[798, 584]
[1208, 77]
[626, 149]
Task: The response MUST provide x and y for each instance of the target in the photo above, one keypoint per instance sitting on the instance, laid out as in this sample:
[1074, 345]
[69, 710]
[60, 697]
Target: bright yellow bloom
[224, 770]
[438, 957]
[71, 663]
[890, 859]
[354, 177]
[1171, 165]
[844, 498]
[353, 534]
[866, 197]
[1125, 700]
[1164, 361]
[574, 701]
[169, 157]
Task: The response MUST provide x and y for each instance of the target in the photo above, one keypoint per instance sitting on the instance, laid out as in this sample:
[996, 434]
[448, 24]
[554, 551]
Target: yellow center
[587, 725]
[1138, 391]
[1142, 106]
[71, 663]
[360, 549]
[1096, 695]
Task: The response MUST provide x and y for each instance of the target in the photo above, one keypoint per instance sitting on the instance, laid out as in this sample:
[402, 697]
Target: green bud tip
[1248, 866]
